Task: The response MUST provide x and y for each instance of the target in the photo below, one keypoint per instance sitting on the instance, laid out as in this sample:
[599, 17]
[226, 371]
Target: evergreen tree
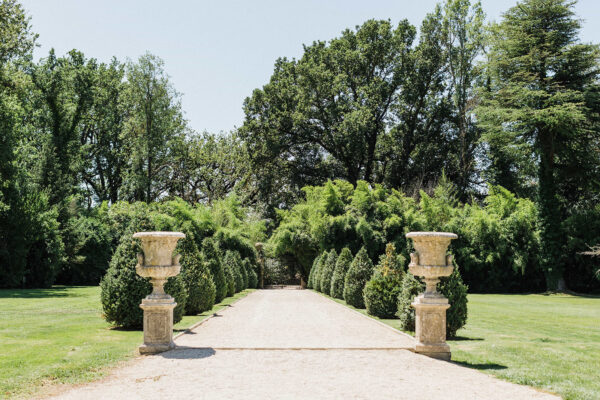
[327, 272]
[311, 276]
[535, 103]
[339, 273]
[359, 273]
[211, 259]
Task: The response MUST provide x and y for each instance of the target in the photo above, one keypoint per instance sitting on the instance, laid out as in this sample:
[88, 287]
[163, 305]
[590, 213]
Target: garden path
[295, 344]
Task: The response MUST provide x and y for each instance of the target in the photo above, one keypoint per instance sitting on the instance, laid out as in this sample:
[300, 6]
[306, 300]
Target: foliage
[411, 287]
[212, 261]
[123, 289]
[381, 291]
[357, 276]
[197, 278]
[251, 273]
[233, 263]
[326, 272]
[313, 272]
[339, 273]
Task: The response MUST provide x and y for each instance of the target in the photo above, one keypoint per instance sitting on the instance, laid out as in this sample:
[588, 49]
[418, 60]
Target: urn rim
[158, 234]
[447, 235]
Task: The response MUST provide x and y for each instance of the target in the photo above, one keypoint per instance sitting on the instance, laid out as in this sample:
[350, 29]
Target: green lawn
[549, 342]
[58, 336]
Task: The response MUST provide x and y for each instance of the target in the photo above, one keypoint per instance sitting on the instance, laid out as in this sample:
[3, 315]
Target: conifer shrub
[339, 274]
[229, 277]
[317, 278]
[451, 287]
[198, 280]
[358, 274]
[327, 272]
[311, 275]
[122, 289]
[381, 292]
[234, 263]
[244, 273]
[252, 276]
[212, 260]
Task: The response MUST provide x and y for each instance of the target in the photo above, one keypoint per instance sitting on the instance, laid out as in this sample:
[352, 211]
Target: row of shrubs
[385, 290]
[218, 259]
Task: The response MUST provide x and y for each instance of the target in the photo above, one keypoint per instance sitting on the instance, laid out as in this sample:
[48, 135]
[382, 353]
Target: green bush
[232, 262]
[358, 274]
[252, 276]
[327, 272]
[244, 273]
[318, 272]
[451, 287]
[197, 279]
[411, 287]
[122, 289]
[339, 274]
[313, 272]
[211, 259]
[381, 292]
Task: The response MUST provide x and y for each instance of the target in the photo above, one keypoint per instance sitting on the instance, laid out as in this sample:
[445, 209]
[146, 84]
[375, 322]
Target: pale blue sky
[217, 52]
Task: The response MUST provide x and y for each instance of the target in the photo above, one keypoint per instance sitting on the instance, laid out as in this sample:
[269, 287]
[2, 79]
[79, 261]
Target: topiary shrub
[451, 287]
[212, 260]
[252, 276]
[122, 289]
[232, 262]
[381, 292]
[327, 272]
[311, 275]
[244, 273]
[317, 278]
[411, 287]
[339, 274]
[357, 276]
[197, 278]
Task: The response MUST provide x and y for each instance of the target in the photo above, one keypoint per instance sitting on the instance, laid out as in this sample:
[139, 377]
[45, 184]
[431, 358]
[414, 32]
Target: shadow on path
[186, 353]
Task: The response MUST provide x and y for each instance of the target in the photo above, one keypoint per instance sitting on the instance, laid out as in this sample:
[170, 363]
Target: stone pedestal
[158, 263]
[431, 262]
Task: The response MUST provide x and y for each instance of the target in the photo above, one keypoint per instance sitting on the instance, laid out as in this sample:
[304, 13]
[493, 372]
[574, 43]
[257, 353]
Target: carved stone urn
[431, 262]
[158, 263]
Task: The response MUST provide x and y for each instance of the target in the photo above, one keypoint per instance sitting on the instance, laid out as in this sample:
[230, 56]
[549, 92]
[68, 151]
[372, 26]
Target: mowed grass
[551, 342]
[57, 335]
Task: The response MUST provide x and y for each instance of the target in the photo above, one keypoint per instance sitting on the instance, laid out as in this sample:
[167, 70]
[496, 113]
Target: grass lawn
[58, 336]
[549, 342]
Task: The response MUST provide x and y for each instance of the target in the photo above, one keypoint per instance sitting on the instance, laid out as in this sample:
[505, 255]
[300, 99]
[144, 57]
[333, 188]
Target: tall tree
[538, 76]
[153, 122]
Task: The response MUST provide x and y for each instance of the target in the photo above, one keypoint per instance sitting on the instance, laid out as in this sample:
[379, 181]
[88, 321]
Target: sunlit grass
[57, 335]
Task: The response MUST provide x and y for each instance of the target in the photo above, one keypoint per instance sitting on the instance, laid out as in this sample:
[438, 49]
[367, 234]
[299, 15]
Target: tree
[327, 272]
[359, 273]
[538, 79]
[339, 274]
[153, 123]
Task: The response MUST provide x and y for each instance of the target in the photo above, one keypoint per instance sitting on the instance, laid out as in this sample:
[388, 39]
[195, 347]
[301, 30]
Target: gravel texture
[292, 344]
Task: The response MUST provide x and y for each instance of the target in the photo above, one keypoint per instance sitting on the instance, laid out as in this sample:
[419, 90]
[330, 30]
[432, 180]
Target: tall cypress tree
[535, 101]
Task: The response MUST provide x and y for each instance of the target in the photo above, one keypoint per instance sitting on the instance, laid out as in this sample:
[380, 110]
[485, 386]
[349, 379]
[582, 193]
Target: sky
[217, 52]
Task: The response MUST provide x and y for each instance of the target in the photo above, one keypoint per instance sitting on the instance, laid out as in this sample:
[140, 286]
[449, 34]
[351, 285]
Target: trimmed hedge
[313, 272]
[198, 280]
[339, 274]
[358, 274]
[327, 272]
[211, 259]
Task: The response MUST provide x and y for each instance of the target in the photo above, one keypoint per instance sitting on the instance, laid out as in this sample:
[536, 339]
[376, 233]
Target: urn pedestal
[431, 262]
[158, 263]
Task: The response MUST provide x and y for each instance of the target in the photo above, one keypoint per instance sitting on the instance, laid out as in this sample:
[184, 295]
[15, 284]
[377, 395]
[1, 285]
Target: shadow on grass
[463, 338]
[481, 366]
[37, 293]
[186, 353]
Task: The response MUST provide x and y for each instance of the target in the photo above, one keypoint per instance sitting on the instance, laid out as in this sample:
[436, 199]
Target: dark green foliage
[339, 274]
[411, 287]
[319, 270]
[313, 272]
[233, 263]
[381, 292]
[197, 279]
[229, 278]
[212, 261]
[252, 276]
[122, 289]
[244, 273]
[452, 288]
[326, 272]
[357, 276]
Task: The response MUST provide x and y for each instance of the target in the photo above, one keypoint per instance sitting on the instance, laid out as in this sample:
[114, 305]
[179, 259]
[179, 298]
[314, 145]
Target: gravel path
[292, 344]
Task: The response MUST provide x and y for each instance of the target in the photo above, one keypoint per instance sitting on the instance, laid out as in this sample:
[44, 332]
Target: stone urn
[431, 261]
[158, 263]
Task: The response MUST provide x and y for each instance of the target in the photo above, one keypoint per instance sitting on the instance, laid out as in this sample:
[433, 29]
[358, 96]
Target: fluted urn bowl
[430, 259]
[157, 261]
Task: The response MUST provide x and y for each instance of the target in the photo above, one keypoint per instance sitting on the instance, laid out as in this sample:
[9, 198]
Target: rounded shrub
[212, 260]
[313, 270]
[252, 276]
[451, 287]
[381, 292]
[233, 262]
[339, 274]
[317, 278]
[197, 278]
[327, 272]
[244, 273]
[122, 289]
[358, 274]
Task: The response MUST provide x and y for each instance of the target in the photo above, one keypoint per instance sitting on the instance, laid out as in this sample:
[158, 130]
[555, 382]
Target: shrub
[327, 272]
[317, 279]
[244, 273]
[197, 278]
[451, 287]
[233, 262]
[122, 289]
[381, 292]
[339, 274]
[358, 274]
[311, 276]
[252, 276]
[211, 259]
